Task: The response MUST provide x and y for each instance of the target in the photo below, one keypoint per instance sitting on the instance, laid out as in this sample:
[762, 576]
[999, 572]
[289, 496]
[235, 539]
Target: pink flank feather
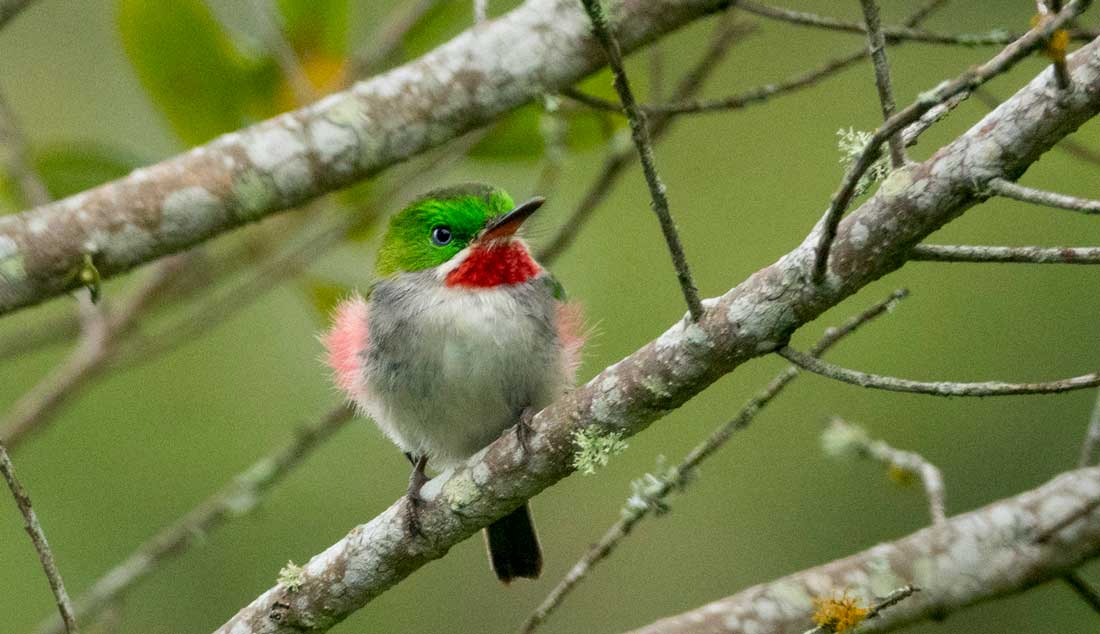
[345, 343]
[570, 324]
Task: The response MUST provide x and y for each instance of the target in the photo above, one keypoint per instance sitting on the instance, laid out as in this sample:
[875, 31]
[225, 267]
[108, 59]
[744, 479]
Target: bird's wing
[345, 344]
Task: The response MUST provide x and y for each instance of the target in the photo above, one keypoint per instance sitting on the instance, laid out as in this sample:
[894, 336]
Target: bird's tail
[513, 546]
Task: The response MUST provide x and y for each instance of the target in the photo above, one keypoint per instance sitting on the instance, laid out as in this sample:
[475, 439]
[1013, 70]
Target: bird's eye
[441, 236]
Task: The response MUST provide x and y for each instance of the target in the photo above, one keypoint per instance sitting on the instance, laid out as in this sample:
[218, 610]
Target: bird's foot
[413, 500]
[523, 429]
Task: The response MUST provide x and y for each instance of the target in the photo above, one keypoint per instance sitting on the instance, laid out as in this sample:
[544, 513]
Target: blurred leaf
[324, 295]
[191, 69]
[325, 73]
[316, 27]
[71, 168]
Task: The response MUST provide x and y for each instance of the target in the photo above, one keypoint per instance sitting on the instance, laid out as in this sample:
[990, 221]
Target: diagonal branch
[811, 363]
[1015, 191]
[876, 45]
[1005, 255]
[272, 166]
[639, 130]
[38, 537]
[748, 321]
[975, 557]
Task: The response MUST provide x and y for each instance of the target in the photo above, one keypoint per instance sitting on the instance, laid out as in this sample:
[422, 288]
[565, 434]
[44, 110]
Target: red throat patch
[494, 264]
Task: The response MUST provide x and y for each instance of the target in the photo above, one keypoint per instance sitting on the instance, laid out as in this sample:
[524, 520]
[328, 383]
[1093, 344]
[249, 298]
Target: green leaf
[74, 167]
[191, 69]
[316, 26]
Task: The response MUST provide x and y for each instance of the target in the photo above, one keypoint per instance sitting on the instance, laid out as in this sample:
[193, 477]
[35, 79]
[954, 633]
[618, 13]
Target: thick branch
[748, 321]
[543, 46]
[978, 556]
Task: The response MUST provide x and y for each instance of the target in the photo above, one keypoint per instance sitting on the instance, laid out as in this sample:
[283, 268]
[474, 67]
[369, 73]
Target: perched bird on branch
[462, 337]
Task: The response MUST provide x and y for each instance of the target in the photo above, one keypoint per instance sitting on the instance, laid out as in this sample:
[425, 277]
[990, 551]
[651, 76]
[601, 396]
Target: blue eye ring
[442, 235]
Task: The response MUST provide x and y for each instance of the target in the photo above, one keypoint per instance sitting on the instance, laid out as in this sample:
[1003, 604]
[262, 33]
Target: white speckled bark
[749, 320]
[240, 177]
[981, 555]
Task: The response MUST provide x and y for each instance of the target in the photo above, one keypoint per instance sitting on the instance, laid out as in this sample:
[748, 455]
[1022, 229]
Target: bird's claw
[414, 501]
[523, 429]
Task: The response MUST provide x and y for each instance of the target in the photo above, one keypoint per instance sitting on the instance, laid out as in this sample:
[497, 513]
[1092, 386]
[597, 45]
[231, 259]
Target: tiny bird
[462, 336]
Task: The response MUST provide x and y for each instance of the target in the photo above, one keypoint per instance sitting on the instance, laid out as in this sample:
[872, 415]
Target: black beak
[507, 224]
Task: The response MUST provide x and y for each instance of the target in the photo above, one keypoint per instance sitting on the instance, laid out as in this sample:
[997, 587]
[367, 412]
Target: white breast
[453, 368]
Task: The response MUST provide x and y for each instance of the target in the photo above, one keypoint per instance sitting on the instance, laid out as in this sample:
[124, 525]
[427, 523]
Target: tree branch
[876, 46]
[1015, 191]
[639, 130]
[542, 46]
[38, 537]
[975, 557]
[748, 321]
[934, 388]
[1005, 255]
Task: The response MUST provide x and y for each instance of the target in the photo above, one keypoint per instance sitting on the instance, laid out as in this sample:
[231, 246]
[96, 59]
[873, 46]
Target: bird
[461, 337]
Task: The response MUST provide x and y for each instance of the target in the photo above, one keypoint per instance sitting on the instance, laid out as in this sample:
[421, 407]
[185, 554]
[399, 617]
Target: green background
[143, 446]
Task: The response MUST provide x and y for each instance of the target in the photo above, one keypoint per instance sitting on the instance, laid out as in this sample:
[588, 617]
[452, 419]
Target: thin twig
[387, 39]
[933, 388]
[726, 32]
[908, 462]
[652, 491]
[640, 132]
[237, 498]
[1004, 255]
[968, 81]
[1090, 448]
[38, 537]
[1084, 591]
[18, 157]
[996, 37]
[1015, 191]
[283, 52]
[876, 45]
[481, 11]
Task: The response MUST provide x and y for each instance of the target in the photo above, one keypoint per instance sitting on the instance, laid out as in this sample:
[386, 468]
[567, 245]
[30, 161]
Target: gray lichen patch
[188, 212]
[253, 194]
[11, 261]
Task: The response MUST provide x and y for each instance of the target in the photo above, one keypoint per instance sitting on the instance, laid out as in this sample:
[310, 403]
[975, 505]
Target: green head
[438, 225]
